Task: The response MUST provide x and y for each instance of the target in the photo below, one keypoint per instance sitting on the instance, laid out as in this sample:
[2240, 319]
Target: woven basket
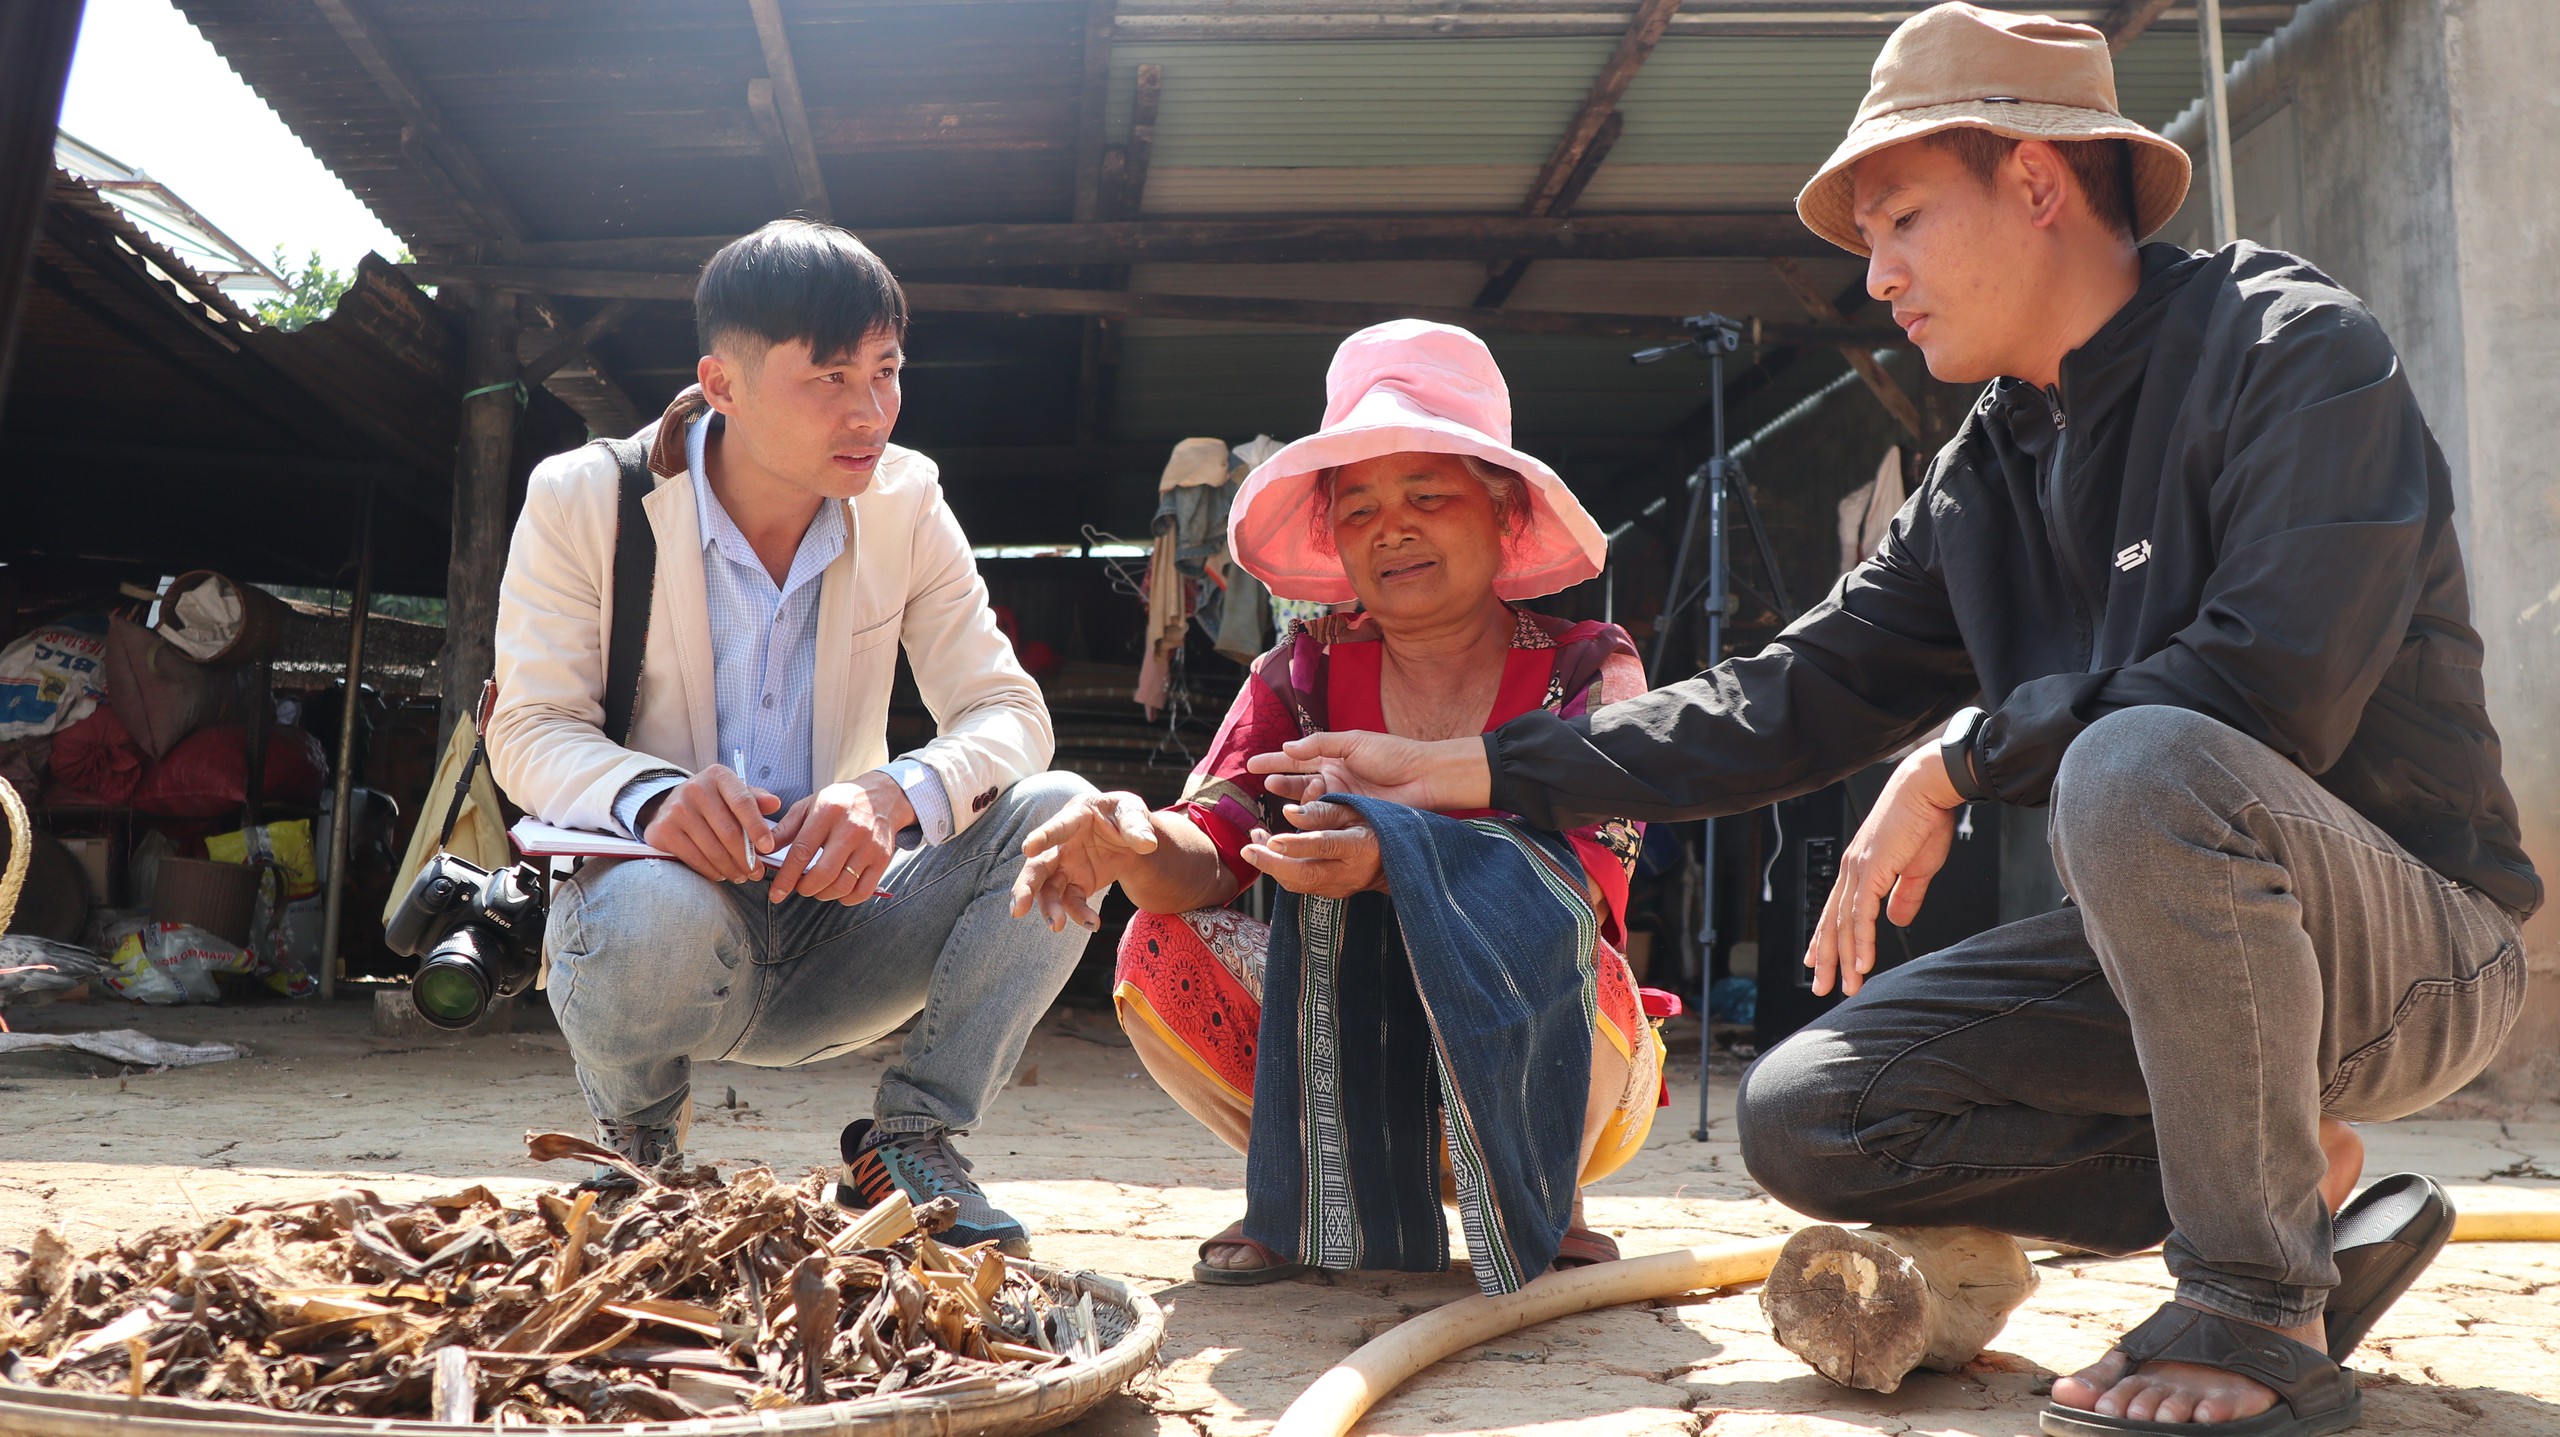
[1014, 1407]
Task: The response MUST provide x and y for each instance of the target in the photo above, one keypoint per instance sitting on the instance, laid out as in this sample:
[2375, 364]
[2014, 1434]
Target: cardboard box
[102, 865]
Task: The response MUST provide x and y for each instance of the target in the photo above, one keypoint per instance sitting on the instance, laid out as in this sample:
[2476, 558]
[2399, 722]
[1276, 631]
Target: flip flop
[1274, 1268]
[2385, 1238]
[1585, 1247]
[2314, 1395]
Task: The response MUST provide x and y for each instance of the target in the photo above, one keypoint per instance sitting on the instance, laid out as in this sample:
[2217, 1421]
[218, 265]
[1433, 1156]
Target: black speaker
[1804, 839]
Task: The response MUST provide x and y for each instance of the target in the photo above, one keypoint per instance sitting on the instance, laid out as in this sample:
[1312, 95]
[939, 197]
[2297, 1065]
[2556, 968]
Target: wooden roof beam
[1505, 275]
[2124, 24]
[567, 346]
[429, 141]
[1124, 167]
[1754, 235]
[1156, 20]
[487, 208]
[1888, 392]
[1100, 21]
[1644, 31]
[1030, 302]
[1587, 141]
[789, 110]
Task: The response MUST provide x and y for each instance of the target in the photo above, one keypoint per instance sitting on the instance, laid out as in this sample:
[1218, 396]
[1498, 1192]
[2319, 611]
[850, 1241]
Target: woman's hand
[1336, 857]
[1091, 844]
[1900, 847]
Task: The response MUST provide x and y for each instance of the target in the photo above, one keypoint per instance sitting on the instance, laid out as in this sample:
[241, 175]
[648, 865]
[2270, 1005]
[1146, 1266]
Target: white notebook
[537, 839]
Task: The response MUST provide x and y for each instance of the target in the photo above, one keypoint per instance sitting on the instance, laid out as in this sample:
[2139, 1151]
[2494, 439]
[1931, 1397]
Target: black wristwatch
[1955, 750]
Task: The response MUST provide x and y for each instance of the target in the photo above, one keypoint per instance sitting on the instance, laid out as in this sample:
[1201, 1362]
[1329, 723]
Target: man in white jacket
[796, 550]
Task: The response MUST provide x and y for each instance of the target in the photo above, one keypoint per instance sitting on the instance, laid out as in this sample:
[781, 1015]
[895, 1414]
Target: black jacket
[2230, 504]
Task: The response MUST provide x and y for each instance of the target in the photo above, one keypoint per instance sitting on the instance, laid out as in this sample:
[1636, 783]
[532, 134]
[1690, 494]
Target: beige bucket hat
[2030, 77]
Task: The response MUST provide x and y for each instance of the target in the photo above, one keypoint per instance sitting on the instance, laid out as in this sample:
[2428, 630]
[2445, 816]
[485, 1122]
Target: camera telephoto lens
[452, 987]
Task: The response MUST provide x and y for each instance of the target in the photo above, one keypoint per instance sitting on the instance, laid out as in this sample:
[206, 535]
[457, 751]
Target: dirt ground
[1113, 1177]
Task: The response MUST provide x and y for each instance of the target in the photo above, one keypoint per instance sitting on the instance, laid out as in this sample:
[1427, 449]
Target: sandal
[1585, 1247]
[1273, 1268]
[2314, 1394]
[2385, 1238]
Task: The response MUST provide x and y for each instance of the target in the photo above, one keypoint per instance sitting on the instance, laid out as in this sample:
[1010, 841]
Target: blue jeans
[2245, 954]
[654, 967]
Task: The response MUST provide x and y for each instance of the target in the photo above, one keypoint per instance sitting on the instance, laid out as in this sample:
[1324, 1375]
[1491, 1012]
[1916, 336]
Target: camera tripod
[1710, 485]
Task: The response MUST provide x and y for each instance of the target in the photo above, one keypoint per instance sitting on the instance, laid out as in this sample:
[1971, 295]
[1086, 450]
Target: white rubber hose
[1363, 1379]
[1339, 1398]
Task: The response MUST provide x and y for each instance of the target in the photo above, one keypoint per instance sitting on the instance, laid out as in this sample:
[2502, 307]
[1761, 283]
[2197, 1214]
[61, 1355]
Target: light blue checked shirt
[764, 663]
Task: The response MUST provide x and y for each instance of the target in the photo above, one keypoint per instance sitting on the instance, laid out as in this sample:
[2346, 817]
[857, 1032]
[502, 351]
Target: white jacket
[906, 574]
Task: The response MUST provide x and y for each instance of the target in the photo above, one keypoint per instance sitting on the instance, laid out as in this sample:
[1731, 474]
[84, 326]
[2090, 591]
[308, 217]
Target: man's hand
[1336, 856]
[1089, 845]
[842, 838]
[708, 821]
[1450, 774]
[1900, 847]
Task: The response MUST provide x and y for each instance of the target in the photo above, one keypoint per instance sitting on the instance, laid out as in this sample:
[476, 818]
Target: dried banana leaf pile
[688, 1297]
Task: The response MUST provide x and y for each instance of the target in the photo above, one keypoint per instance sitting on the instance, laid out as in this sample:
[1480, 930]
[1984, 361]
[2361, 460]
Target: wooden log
[1865, 1307]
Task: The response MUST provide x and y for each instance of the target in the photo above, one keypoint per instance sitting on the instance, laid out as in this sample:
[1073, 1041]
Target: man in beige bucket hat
[2187, 575]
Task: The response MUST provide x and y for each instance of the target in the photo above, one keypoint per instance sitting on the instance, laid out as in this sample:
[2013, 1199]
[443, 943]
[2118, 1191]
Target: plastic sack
[109, 927]
[95, 762]
[182, 956]
[53, 676]
[271, 938]
[207, 775]
[160, 693]
[205, 619]
[285, 845]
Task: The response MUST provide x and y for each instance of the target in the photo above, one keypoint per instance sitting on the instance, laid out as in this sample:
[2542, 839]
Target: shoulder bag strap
[635, 572]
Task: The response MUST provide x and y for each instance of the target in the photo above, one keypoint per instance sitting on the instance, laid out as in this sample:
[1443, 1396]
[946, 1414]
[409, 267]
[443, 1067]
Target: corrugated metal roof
[1458, 103]
[956, 111]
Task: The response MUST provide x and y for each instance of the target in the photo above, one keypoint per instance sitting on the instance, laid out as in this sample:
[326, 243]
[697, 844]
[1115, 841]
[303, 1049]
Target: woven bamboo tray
[1131, 1324]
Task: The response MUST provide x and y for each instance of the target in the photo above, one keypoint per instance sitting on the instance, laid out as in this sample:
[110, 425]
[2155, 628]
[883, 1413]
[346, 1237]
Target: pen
[738, 761]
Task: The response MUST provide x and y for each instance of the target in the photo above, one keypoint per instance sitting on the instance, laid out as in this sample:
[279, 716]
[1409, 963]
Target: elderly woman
[1440, 999]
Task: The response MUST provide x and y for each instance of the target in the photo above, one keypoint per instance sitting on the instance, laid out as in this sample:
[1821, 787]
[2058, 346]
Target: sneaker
[644, 1145]
[924, 1166]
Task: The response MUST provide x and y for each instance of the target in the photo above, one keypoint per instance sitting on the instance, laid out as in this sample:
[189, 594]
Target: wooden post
[36, 37]
[482, 456]
[342, 794]
[1865, 1307]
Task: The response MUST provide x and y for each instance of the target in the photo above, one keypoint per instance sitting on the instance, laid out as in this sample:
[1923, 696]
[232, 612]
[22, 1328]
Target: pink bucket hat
[1406, 386]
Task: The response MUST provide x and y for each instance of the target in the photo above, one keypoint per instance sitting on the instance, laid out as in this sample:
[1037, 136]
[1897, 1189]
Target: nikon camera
[477, 936]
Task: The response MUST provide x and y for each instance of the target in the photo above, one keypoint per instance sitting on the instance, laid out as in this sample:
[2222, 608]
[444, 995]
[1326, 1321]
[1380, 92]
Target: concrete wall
[2407, 148]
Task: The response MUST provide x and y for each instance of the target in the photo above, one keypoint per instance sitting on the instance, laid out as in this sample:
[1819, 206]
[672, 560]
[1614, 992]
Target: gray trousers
[654, 967]
[2246, 953]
